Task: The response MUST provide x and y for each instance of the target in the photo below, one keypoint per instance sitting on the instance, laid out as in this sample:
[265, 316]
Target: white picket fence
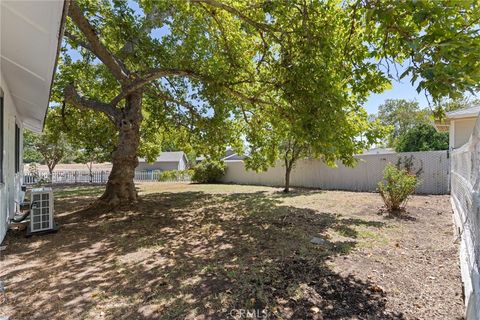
[465, 196]
[97, 177]
[363, 177]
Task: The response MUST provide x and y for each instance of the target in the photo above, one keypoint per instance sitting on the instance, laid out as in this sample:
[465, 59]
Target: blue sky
[400, 90]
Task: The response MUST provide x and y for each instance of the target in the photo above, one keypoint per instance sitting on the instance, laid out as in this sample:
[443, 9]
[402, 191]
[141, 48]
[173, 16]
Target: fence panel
[364, 176]
[98, 177]
[465, 171]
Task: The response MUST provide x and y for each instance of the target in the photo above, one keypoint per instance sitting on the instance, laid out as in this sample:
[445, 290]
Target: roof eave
[66, 4]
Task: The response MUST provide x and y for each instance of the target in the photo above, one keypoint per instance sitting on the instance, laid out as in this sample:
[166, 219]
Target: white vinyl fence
[98, 177]
[364, 176]
[465, 198]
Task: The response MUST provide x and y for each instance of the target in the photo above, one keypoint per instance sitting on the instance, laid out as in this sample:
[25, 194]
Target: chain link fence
[465, 186]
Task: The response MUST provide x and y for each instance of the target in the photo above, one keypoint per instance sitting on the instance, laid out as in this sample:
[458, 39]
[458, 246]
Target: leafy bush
[175, 175]
[208, 171]
[397, 186]
[422, 137]
[168, 175]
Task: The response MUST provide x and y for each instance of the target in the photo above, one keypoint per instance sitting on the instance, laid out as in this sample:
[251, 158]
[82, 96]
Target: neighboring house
[230, 155]
[199, 159]
[176, 160]
[459, 124]
[30, 36]
[233, 157]
[379, 151]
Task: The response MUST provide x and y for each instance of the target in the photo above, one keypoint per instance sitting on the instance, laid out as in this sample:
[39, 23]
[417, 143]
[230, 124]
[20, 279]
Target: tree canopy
[422, 137]
[216, 73]
[401, 115]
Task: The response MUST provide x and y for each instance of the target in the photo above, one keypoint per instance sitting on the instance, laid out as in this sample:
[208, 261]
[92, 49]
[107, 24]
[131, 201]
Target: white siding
[182, 165]
[363, 177]
[462, 129]
[10, 189]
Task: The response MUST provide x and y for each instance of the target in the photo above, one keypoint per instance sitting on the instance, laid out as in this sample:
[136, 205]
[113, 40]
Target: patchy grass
[78, 191]
[191, 251]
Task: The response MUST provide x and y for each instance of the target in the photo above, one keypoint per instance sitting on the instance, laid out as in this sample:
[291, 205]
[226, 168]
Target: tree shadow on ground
[189, 255]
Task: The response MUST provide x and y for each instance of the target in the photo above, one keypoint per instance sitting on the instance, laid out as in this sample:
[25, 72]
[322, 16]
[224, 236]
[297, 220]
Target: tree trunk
[288, 170]
[120, 186]
[90, 170]
[50, 173]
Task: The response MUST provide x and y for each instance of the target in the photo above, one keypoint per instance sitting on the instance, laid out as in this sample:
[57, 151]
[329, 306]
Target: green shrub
[208, 171]
[397, 186]
[175, 175]
[168, 175]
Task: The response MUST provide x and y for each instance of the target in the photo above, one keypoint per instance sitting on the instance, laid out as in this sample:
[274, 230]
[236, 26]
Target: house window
[1, 139]
[17, 148]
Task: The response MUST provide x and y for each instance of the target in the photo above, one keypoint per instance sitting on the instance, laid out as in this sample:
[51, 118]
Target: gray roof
[168, 156]
[464, 113]
[228, 153]
[233, 156]
[379, 151]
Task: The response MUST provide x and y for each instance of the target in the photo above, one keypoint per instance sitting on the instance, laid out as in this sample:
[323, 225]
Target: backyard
[215, 251]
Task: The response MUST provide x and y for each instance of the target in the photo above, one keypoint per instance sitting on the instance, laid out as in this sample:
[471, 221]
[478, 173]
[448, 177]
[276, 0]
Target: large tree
[423, 137]
[219, 68]
[401, 115]
[30, 151]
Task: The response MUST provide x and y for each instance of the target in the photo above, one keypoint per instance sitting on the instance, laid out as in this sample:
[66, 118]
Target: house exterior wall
[162, 166]
[10, 189]
[363, 177]
[182, 165]
[460, 131]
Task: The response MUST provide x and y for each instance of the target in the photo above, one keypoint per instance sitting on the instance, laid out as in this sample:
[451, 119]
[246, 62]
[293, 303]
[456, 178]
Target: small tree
[292, 150]
[396, 188]
[52, 147]
[90, 156]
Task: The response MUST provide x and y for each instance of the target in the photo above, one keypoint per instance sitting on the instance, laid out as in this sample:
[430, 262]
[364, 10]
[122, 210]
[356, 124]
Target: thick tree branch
[77, 40]
[150, 76]
[72, 96]
[155, 74]
[167, 97]
[95, 44]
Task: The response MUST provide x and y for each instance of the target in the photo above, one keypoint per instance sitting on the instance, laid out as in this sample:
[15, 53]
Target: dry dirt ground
[225, 251]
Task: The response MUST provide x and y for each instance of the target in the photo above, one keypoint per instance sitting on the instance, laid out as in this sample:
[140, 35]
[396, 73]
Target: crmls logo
[249, 314]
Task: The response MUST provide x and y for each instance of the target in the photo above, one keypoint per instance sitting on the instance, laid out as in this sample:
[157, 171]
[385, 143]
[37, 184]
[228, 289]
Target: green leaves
[422, 137]
[440, 39]
[267, 73]
[397, 186]
[401, 115]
